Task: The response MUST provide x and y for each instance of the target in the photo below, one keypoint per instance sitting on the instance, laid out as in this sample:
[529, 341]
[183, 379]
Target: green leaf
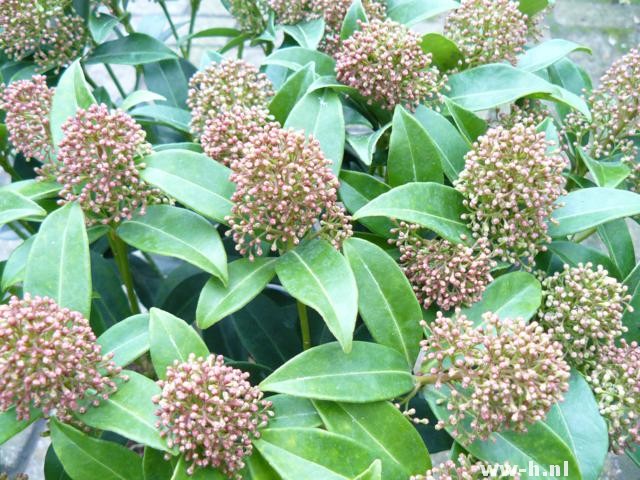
[33, 189]
[370, 372]
[246, 280]
[134, 49]
[445, 142]
[13, 272]
[606, 174]
[58, 264]
[11, 426]
[319, 113]
[171, 338]
[129, 412]
[180, 473]
[409, 148]
[258, 469]
[578, 422]
[365, 145]
[470, 125]
[318, 276]
[165, 115]
[101, 25]
[297, 453]
[71, 93]
[541, 445]
[155, 466]
[85, 457]
[445, 54]
[374, 472]
[179, 233]
[432, 205]
[356, 190]
[53, 469]
[14, 206]
[293, 412]
[548, 53]
[169, 78]
[589, 207]
[127, 340]
[386, 300]
[631, 318]
[489, 86]
[384, 430]
[356, 13]
[294, 58]
[411, 12]
[306, 34]
[575, 253]
[513, 295]
[193, 179]
[138, 97]
[291, 92]
[531, 7]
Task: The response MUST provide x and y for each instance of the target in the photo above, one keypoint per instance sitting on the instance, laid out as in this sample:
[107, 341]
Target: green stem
[192, 23]
[120, 14]
[18, 231]
[7, 167]
[582, 236]
[304, 326]
[27, 226]
[174, 31]
[115, 80]
[119, 250]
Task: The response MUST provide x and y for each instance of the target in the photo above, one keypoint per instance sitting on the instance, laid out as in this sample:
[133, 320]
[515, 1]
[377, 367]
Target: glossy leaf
[127, 340]
[134, 49]
[574, 254]
[129, 412]
[531, 7]
[318, 276]
[548, 53]
[355, 14]
[169, 78]
[85, 457]
[73, 92]
[434, 206]
[180, 472]
[291, 92]
[513, 295]
[606, 174]
[293, 412]
[294, 58]
[384, 430]
[138, 97]
[177, 232]
[170, 338]
[365, 145]
[307, 34]
[33, 189]
[489, 86]
[356, 190]
[411, 12]
[101, 25]
[370, 372]
[14, 206]
[409, 160]
[246, 280]
[319, 113]
[297, 453]
[193, 179]
[13, 272]
[374, 472]
[11, 426]
[58, 264]
[590, 207]
[155, 466]
[164, 115]
[385, 298]
[469, 124]
[445, 54]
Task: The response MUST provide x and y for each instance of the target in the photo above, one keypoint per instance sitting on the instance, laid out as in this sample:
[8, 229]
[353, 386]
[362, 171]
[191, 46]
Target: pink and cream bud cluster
[386, 64]
[582, 309]
[284, 186]
[510, 184]
[49, 359]
[447, 274]
[99, 165]
[503, 374]
[27, 104]
[488, 31]
[210, 413]
[45, 29]
[290, 12]
[250, 14]
[463, 468]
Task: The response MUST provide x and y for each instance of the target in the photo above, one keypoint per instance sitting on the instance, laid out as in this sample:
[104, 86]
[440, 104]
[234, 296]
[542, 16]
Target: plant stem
[7, 167]
[304, 325]
[115, 80]
[582, 236]
[18, 231]
[192, 23]
[174, 31]
[119, 250]
[122, 16]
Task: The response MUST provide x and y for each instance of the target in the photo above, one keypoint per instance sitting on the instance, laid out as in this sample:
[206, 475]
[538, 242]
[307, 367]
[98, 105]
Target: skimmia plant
[366, 245]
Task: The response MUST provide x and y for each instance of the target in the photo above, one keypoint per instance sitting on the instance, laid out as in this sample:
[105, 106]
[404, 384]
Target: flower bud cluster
[488, 31]
[284, 186]
[225, 85]
[510, 184]
[251, 15]
[98, 165]
[28, 104]
[43, 29]
[210, 412]
[447, 274]
[582, 309]
[504, 374]
[49, 359]
[464, 468]
[385, 63]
